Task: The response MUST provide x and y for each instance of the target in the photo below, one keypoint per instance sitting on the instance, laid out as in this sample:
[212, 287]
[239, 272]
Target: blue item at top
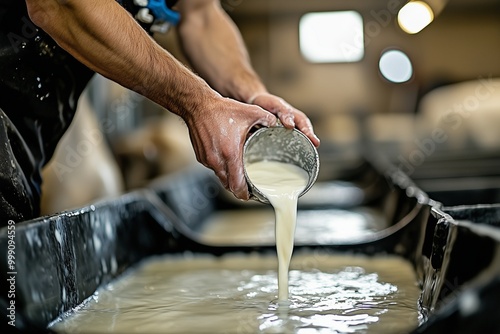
[161, 12]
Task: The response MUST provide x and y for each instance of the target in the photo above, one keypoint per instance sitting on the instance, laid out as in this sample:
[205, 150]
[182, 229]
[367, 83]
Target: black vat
[61, 260]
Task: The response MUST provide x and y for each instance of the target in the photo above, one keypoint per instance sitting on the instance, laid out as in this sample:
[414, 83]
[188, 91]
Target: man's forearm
[103, 36]
[216, 50]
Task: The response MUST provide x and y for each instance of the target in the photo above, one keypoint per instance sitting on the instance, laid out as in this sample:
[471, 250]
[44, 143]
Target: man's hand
[288, 115]
[218, 134]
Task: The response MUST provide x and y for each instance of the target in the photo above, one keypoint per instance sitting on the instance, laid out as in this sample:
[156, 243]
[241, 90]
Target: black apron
[40, 84]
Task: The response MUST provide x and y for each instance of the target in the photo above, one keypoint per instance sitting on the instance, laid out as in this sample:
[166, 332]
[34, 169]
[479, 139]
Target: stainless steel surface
[282, 145]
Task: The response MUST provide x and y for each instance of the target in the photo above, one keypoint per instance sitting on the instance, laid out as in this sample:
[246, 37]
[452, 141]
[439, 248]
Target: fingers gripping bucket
[281, 145]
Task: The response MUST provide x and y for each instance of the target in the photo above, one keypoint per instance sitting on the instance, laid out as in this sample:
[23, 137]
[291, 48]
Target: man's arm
[215, 49]
[103, 36]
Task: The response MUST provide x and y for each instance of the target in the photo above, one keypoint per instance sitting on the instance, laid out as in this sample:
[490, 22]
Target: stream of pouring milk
[281, 183]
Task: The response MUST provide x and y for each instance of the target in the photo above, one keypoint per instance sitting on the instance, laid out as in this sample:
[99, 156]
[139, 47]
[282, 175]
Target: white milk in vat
[281, 183]
[236, 294]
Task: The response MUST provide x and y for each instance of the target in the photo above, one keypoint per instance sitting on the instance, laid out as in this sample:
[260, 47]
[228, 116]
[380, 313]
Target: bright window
[332, 37]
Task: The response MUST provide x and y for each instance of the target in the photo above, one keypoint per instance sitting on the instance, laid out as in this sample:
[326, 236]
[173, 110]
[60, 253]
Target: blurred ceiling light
[331, 37]
[415, 16]
[395, 66]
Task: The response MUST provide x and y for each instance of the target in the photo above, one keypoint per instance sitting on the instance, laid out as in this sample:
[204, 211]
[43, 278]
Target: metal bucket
[282, 145]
